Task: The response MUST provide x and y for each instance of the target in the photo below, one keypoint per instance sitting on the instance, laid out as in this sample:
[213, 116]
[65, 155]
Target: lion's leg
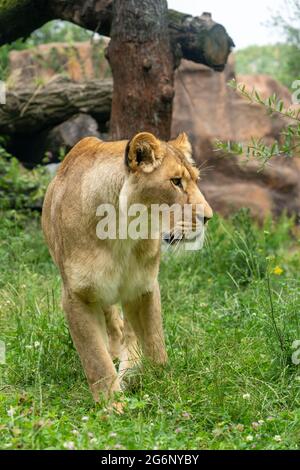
[114, 325]
[88, 330]
[130, 356]
[144, 317]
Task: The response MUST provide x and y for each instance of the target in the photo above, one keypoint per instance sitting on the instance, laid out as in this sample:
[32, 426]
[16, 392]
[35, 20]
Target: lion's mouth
[171, 239]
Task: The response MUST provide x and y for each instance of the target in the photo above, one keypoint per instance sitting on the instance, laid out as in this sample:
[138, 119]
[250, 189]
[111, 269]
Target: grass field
[231, 315]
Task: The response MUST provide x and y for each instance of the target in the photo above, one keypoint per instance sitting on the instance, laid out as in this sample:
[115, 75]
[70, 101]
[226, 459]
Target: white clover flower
[246, 396]
[113, 434]
[255, 425]
[277, 438]
[11, 411]
[75, 432]
[85, 418]
[37, 344]
[69, 445]
[249, 438]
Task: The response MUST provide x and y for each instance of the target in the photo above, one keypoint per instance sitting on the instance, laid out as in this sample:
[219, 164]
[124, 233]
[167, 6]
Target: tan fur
[97, 274]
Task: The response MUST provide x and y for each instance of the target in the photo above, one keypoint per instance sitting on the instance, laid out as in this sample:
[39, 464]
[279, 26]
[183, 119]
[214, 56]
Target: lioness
[99, 273]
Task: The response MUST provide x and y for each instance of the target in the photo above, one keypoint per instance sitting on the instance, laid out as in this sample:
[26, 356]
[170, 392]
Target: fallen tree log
[29, 111]
[199, 39]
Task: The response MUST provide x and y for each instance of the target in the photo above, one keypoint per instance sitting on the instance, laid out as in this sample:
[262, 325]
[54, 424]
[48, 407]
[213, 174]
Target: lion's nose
[208, 213]
[205, 219]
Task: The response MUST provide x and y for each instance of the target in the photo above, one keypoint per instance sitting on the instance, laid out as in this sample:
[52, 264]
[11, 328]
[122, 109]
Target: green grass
[230, 323]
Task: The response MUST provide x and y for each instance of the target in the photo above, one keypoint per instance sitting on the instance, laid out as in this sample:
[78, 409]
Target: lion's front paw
[130, 379]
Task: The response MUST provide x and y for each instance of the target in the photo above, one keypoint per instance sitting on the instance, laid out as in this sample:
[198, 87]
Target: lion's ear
[183, 144]
[143, 151]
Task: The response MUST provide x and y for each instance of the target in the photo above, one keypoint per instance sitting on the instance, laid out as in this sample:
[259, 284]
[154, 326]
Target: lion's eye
[177, 182]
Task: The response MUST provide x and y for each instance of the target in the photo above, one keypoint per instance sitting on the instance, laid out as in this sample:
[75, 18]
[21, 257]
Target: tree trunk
[30, 111]
[143, 69]
[195, 38]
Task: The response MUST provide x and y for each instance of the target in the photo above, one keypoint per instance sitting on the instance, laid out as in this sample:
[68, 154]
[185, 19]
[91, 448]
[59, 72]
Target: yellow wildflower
[278, 271]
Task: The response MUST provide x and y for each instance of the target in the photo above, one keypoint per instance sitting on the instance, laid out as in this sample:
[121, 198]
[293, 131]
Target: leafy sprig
[257, 148]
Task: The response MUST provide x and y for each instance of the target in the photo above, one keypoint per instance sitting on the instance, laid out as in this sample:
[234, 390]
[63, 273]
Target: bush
[20, 189]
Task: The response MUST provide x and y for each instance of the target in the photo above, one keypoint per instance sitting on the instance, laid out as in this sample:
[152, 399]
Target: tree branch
[199, 39]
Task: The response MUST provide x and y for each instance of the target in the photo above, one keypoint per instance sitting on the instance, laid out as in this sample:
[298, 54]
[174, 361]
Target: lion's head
[164, 173]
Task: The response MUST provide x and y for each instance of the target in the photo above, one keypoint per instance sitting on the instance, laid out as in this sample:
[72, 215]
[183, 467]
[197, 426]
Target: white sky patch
[244, 21]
